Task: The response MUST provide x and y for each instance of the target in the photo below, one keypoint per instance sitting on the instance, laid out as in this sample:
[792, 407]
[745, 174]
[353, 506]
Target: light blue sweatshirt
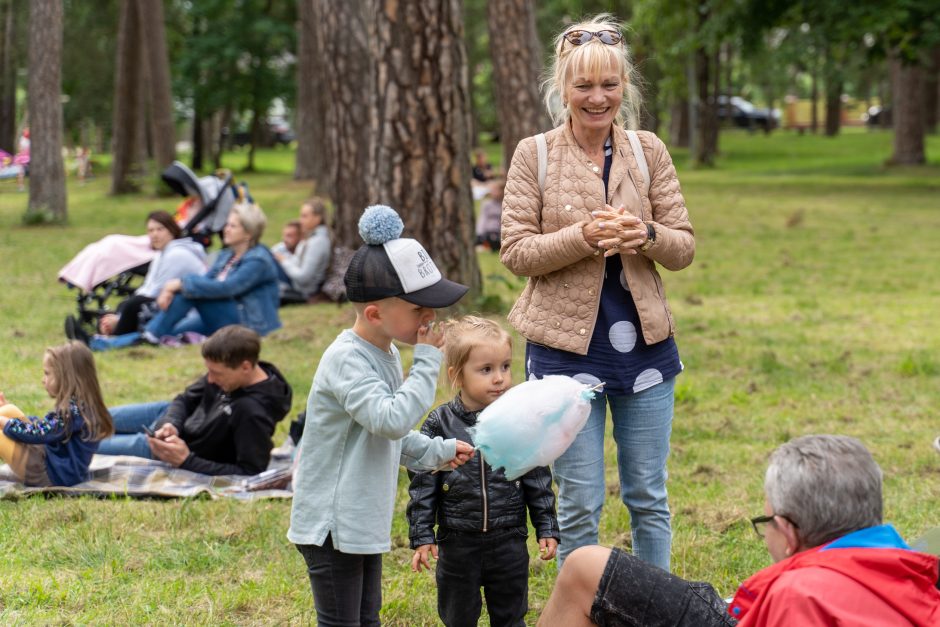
[360, 417]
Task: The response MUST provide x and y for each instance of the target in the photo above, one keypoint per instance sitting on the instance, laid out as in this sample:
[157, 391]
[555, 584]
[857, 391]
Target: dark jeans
[347, 588]
[497, 561]
[129, 314]
[635, 593]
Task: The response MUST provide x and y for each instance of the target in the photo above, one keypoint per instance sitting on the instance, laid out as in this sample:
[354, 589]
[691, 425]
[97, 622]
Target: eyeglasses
[581, 37]
[758, 521]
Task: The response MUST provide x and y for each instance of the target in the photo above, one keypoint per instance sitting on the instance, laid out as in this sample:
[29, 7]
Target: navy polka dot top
[617, 355]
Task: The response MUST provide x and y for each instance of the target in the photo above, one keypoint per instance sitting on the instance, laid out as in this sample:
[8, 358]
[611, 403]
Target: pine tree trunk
[679, 124]
[814, 99]
[198, 135]
[311, 93]
[907, 86]
[704, 153]
[126, 101]
[47, 197]
[161, 100]
[932, 91]
[421, 128]
[345, 144]
[833, 104]
[517, 64]
[8, 79]
[255, 135]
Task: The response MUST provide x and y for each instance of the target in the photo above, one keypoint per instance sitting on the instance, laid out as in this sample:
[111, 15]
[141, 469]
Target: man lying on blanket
[220, 425]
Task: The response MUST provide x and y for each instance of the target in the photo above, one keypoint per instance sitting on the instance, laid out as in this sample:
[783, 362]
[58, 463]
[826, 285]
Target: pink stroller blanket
[106, 258]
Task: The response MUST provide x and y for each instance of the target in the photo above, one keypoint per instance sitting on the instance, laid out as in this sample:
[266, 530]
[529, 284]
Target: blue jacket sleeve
[35, 430]
[254, 268]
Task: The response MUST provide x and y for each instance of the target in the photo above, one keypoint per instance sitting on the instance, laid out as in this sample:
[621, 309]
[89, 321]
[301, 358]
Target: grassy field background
[811, 308]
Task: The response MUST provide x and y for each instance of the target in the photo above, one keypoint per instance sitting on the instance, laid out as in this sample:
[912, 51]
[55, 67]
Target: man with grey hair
[834, 560]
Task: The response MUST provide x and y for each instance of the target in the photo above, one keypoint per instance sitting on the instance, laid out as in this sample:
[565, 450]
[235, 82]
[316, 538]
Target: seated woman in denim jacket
[240, 288]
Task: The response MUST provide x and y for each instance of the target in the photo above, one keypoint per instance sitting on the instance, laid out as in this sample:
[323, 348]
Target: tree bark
[706, 141]
[420, 125]
[198, 137]
[8, 79]
[908, 97]
[834, 82]
[161, 99]
[47, 198]
[814, 98]
[517, 64]
[932, 91]
[345, 143]
[126, 101]
[679, 124]
[312, 74]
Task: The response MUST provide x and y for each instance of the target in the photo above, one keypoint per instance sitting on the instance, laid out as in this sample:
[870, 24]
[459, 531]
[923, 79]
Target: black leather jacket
[474, 497]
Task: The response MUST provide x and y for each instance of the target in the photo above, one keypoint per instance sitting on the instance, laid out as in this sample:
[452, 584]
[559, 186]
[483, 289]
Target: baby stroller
[114, 267]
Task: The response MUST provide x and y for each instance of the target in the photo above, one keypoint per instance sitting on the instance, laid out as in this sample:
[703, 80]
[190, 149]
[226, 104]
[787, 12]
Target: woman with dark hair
[239, 288]
[176, 257]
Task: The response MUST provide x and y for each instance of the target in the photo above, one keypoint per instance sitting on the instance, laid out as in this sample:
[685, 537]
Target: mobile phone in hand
[149, 431]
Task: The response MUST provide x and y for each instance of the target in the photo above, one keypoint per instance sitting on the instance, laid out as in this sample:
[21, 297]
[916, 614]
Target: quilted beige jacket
[542, 238]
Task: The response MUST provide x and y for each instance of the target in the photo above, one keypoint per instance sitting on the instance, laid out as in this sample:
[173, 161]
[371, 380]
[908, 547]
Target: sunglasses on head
[581, 37]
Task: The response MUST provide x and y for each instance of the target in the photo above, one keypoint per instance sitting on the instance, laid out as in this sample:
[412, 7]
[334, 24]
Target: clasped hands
[615, 231]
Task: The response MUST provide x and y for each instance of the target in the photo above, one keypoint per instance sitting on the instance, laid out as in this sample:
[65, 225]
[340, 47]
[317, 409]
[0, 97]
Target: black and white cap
[389, 265]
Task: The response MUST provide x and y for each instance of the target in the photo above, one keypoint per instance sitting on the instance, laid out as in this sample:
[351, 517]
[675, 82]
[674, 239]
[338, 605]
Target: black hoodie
[230, 434]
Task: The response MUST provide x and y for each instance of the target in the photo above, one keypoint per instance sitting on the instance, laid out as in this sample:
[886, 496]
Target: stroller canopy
[105, 258]
[211, 190]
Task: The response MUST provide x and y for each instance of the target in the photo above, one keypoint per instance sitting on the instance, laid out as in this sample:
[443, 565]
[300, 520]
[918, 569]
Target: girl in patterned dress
[56, 450]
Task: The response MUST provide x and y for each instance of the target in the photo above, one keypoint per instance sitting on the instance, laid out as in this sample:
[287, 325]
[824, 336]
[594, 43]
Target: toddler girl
[57, 449]
[480, 515]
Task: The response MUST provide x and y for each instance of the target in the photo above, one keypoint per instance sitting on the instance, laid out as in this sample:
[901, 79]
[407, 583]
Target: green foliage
[89, 42]
[237, 54]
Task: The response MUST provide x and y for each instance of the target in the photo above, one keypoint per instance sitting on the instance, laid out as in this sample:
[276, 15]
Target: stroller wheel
[74, 330]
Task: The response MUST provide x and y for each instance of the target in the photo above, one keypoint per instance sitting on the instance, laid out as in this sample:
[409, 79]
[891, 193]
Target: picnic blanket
[117, 475]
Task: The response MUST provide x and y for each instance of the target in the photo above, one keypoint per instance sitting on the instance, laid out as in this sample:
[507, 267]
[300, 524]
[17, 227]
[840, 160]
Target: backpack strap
[542, 152]
[640, 157]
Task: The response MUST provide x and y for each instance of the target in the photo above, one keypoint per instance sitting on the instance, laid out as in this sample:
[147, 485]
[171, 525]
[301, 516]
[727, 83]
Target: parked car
[744, 114]
[276, 131]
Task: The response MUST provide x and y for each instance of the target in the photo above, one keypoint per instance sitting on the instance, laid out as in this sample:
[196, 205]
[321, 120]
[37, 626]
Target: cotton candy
[532, 424]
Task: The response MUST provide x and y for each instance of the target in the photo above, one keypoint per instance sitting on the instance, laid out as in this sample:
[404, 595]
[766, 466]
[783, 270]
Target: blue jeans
[642, 425]
[190, 322]
[214, 314]
[129, 420]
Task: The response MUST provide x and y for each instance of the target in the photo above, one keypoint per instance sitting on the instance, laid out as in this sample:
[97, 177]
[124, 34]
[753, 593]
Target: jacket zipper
[486, 514]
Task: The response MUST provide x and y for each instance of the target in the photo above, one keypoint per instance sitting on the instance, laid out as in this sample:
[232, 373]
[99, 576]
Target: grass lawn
[811, 308]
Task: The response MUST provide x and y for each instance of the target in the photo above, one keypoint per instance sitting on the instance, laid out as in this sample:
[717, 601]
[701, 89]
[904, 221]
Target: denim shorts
[633, 592]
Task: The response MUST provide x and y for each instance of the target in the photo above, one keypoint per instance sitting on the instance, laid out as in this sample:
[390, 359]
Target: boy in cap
[360, 417]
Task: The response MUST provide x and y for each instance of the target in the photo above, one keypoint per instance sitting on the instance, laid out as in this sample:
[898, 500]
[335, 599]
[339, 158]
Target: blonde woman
[240, 288]
[589, 236]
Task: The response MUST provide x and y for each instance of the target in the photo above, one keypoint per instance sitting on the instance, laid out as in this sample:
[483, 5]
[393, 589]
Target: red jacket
[868, 578]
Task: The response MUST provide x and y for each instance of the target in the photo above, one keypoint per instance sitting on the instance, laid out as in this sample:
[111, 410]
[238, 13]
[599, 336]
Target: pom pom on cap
[380, 224]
